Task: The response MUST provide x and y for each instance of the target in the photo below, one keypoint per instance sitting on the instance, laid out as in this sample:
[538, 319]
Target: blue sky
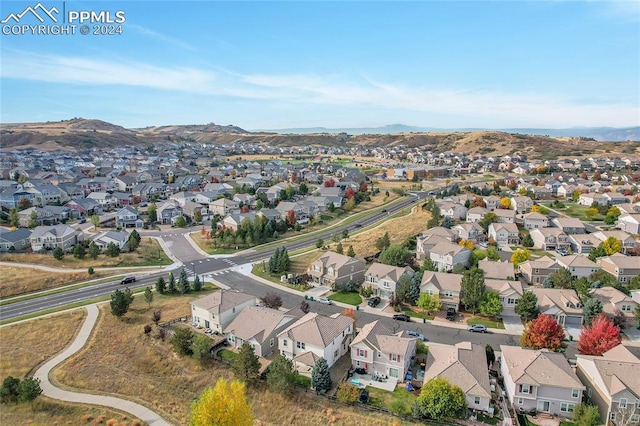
[335, 64]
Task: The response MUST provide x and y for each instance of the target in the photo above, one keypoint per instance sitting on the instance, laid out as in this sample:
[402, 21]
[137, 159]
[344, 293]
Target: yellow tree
[612, 245]
[519, 256]
[505, 202]
[225, 404]
[535, 208]
[467, 243]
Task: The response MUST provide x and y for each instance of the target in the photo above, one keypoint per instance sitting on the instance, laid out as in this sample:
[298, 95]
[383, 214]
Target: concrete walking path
[136, 410]
[66, 270]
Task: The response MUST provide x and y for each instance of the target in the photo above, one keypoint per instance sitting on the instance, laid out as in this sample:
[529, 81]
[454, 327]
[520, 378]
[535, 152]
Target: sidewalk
[48, 389]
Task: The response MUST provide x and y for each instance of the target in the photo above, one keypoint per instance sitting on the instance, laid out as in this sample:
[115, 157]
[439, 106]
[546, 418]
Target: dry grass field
[149, 253]
[24, 346]
[19, 280]
[120, 359]
[399, 229]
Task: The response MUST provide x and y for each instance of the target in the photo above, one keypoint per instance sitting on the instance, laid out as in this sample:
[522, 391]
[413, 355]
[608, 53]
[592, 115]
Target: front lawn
[350, 298]
[227, 355]
[487, 322]
[414, 314]
[399, 401]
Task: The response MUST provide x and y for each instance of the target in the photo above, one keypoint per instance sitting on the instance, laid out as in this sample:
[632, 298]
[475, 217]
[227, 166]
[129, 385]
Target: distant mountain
[610, 134]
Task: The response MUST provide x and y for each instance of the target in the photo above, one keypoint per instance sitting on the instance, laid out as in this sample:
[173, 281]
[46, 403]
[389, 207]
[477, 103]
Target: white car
[324, 301]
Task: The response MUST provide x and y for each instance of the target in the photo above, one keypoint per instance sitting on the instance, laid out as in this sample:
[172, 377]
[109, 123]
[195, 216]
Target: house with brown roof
[569, 225]
[623, 268]
[505, 215]
[549, 239]
[615, 301]
[579, 266]
[583, 243]
[335, 268]
[535, 220]
[509, 292]
[384, 278]
[259, 327]
[216, 310]
[535, 271]
[315, 336]
[497, 269]
[613, 384]
[446, 255]
[469, 231]
[465, 365]
[447, 286]
[381, 352]
[628, 241]
[521, 204]
[540, 380]
[562, 304]
[504, 233]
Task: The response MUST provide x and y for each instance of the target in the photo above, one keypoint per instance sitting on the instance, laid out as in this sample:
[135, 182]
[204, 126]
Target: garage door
[574, 321]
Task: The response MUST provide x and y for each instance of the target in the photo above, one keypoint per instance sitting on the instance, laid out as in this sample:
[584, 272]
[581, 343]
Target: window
[284, 342]
[362, 352]
[448, 293]
[271, 343]
[476, 400]
[626, 308]
[526, 389]
[575, 393]
[635, 418]
[622, 403]
[520, 401]
[613, 417]
[393, 372]
[394, 357]
[335, 354]
[566, 407]
[511, 301]
[300, 345]
[379, 354]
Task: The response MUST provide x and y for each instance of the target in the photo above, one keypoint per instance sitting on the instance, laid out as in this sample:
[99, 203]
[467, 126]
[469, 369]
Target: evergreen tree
[120, 302]
[58, 253]
[592, 307]
[281, 376]
[414, 287]
[33, 219]
[171, 286]
[94, 250]
[339, 248]
[284, 261]
[183, 282]
[351, 252]
[161, 285]
[527, 306]
[562, 279]
[79, 251]
[197, 284]
[14, 219]
[527, 241]
[148, 296]
[403, 288]
[134, 241]
[29, 389]
[246, 366]
[112, 250]
[472, 288]
[321, 376]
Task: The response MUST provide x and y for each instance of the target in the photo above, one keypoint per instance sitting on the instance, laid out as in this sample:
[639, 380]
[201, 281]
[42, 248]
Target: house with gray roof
[334, 268]
[17, 240]
[51, 237]
[384, 278]
[259, 327]
[215, 311]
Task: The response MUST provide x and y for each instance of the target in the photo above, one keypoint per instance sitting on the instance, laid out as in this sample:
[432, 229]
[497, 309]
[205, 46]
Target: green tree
[491, 355]
[339, 248]
[281, 376]
[14, 219]
[350, 204]
[321, 376]
[429, 302]
[487, 220]
[197, 216]
[171, 285]
[183, 282]
[592, 307]
[493, 254]
[29, 389]
[428, 265]
[527, 241]
[134, 241]
[472, 288]
[351, 252]
[527, 306]
[94, 250]
[95, 221]
[604, 278]
[596, 253]
[90, 270]
[161, 285]
[79, 251]
[223, 405]
[197, 284]
[440, 400]
[200, 347]
[246, 366]
[637, 313]
[611, 246]
[10, 390]
[112, 250]
[303, 188]
[396, 255]
[562, 279]
[403, 288]
[58, 253]
[586, 415]
[383, 242]
[152, 213]
[33, 219]
[582, 286]
[319, 243]
[345, 234]
[148, 296]
[182, 340]
[612, 215]
[414, 287]
[120, 302]
[490, 304]
[181, 222]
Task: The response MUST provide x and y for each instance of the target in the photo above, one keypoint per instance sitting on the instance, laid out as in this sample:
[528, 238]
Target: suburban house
[446, 255]
[627, 240]
[475, 214]
[259, 327]
[453, 210]
[223, 207]
[51, 237]
[623, 268]
[233, 221]
[504, 233]
[535, 220]
[378, 350]
[498, 270]
[85, 206]
[505, 215]
[465, 365]
[425, 243]
[334, 268]
[579, 266]
[613, 384]
[629, 223]
[469, 231]
[216, 310]
[521, 204]
[103, 239]
[549, 239]
[614, 301]
[583, 243]
[562, 304]
[569, 225]
[491, 202]
[315, 336]
[17, 240]
[127, 217]
[169, 211]
[541, 380]
[384, 278]
[587, 199]
[509, 292]
[447, 286]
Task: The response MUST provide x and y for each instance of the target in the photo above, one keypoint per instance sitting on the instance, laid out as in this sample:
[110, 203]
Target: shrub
[347, 393]
[147, 329]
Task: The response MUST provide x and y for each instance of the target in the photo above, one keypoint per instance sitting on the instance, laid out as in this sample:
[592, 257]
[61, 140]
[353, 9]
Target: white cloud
[165, 39]
[470, 107]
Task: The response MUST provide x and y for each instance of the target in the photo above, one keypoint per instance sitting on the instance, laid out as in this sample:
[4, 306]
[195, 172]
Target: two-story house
[430, 238]
[315, 336]
[51, 237]
[334, 268]
[521, 204]
[614, 301]
[223, 207]
[579, 266]
[501, 270]
[446, 255]
[583, 243]
[475, 214]
[505, 215]
[562, 304]
[381, 352]
[384, 278]
[623, 268]
[628, 241]
[469, 231]
[535, 220]
[549, 239]
[259, 327]
[453, 210]
[629, 223]
[16, 240]
[504, 233]
[613, 384]
[569, 225]
[216, 310]
[127, 217]
[540, 380]
[447, 286]
[535, 271]
[465, 365]
[509, 291]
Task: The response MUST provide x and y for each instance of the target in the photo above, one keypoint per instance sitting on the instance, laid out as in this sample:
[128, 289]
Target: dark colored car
[358, 225]
[360, 371]
[402, 317]
[127, 280]
[383, 210]
[364, 396]
[374, 301]
[451, 314]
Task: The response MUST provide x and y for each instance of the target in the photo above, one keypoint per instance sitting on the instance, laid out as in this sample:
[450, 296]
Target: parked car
[402, 317]
[364, 396]
[127, 280]
[451, 314]
[324, 300]
[83, 220]
[477, 328]
[360, 371]
[374, 301]
[414, 333]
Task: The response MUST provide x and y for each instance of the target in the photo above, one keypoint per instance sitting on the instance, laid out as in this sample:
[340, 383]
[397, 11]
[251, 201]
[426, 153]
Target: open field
[18, 280]
[120, 359]
[26, 345]
[299, 265]
[149, 253]
[399, 229]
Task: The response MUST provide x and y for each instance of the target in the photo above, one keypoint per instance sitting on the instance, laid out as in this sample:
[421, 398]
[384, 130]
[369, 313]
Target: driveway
[632, 333]
[513, 324]
[574, 331]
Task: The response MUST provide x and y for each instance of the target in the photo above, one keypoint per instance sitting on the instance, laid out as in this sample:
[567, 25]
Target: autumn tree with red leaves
[601, 336]
[349, 193]
[543, 332]
[291, 218]
[478, 202]
[329, 183]
[364, 187]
